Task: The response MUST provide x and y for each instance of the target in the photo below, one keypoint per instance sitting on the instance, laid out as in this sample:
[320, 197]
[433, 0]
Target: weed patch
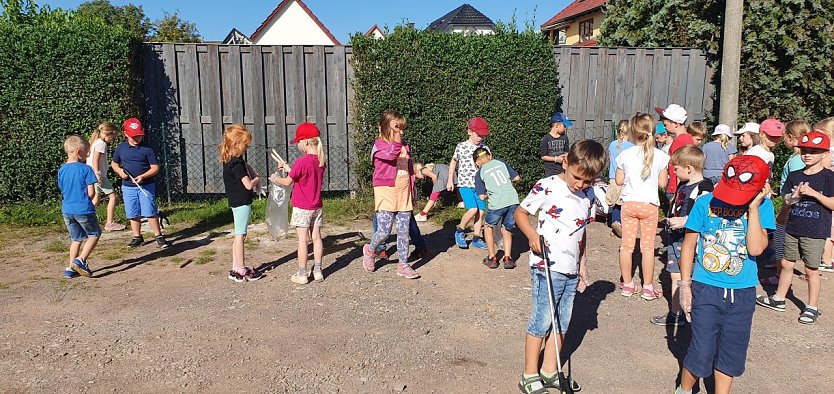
[56, 247]
[206, 256]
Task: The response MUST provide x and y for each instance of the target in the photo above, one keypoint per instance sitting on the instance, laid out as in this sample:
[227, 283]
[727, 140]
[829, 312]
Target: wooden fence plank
[192, 131]
[337, 109]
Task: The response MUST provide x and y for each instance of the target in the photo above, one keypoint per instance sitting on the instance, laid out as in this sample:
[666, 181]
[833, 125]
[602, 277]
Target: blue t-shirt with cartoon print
[721, 258]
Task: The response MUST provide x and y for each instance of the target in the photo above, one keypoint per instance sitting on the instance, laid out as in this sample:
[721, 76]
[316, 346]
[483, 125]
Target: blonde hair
[385, 131]
[697, 129]
[797, 128]
[590, 157]
[314, 142]
[689, 155]
[104, 129]
[642, 127]
[826, 126]
[73, 143]
[236, 139]
[622, 131]
[723, 139]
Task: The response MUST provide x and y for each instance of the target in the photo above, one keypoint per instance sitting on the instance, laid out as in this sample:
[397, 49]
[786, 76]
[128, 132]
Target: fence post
[165, 161]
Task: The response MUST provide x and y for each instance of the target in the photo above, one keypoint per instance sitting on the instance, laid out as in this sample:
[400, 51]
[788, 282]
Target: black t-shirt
[554, 146]
[809, 218]
[683, 202]
[233, 172]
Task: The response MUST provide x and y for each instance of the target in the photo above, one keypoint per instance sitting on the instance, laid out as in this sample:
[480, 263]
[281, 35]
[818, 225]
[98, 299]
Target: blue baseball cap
[659, 129]
[561, 118]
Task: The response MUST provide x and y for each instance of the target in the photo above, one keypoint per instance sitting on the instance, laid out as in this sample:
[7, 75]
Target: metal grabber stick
[565, 387]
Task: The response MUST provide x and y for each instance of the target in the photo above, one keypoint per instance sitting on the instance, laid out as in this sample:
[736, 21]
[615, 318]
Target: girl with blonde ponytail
[641, 170]
[103, 135]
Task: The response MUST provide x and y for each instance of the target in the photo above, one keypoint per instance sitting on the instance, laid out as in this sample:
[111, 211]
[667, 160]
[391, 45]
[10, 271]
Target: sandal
[532, 385]
[628, 289]
[651, 293]
[809, 316]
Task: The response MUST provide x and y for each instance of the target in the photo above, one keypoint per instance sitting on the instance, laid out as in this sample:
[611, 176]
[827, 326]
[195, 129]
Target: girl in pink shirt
[307, 174]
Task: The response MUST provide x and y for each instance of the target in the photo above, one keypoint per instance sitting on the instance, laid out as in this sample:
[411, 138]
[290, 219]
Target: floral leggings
[645, 215]
[385, 220]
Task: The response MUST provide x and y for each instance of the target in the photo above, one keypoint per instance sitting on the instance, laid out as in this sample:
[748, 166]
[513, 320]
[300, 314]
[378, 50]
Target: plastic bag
[276, 209]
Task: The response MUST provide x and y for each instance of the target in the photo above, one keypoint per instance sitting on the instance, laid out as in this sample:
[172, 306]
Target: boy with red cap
[724, 231]
[672, 118]
[137, 165]
[477, 129]
[809, 194]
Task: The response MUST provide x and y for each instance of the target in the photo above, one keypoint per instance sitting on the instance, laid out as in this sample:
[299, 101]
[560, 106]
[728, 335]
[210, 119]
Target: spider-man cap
[742, 179]
[814, 140]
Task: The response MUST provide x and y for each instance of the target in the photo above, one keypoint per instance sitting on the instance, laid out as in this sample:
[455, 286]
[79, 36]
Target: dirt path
[170, 321]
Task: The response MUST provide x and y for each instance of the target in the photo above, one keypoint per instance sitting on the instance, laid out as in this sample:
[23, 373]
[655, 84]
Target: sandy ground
[170, 321]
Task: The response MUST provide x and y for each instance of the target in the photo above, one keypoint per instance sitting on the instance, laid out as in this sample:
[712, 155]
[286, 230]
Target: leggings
[645, 215]
[385, 220]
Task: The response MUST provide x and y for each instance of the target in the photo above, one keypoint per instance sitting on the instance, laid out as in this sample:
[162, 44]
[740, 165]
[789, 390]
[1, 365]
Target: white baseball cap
[673, 112]
[749, 127]
[723, 129]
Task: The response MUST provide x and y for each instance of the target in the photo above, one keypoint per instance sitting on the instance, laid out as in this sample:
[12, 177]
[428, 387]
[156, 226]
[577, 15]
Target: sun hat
[673, 112]
[743, 177]
[133, 128]
[772, 127]
[749, 127]
[723, 129]
[561, 118]
[814, 140]
[478, 125]
[304, 131]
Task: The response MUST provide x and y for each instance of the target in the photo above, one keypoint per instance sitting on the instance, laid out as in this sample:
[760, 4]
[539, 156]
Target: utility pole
[731, 63]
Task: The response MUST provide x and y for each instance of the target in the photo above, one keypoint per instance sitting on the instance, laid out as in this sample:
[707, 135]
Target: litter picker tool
[132, 179]
[277, 157]
[565, 386]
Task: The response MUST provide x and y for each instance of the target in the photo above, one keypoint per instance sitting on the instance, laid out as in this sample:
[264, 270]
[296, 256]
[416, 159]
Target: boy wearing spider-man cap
[725, 230]
[809, 194]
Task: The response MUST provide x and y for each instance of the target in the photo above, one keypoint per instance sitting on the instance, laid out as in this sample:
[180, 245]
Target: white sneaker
[318, 275]
[300, 279]
[421, 217]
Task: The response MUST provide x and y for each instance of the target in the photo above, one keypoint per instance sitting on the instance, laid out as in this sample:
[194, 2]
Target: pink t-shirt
[308, 177]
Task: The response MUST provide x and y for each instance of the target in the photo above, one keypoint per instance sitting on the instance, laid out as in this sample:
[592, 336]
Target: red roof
[590, 43]
[370, 32]
[278, 10]
[578, 7]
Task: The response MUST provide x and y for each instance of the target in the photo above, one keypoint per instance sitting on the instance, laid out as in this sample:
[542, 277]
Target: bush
[439, 81]
[60, 74]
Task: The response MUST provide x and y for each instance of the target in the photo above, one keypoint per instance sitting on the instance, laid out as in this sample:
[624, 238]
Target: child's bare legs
[489, 237]
[303, 235]
[464, 221]
[532, 348]
[507, 238]
[428, 206]
[77, 251]
[723, 382]
[826, 253]
[814, 285]
[785, 277]
[675, 304]
[479, 222]
[154, 223]
[136, 226]
[237, 253]
[112, 200]
[318, 245]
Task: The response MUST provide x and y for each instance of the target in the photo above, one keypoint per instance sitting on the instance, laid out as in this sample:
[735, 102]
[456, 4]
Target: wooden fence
[601, 86]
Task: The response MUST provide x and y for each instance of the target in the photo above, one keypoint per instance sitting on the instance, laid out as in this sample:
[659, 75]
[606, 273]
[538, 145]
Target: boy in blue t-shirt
[77, 183]
[724, 231]
[139, 166]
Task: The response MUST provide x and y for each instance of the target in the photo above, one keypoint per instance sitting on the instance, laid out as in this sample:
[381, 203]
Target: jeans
[564, 290]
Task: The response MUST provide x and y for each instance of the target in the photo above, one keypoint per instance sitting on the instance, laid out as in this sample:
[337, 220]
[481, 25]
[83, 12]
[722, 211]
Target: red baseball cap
[772, 127]
[742, 179]
[133, 128]
[304, 131]
[814, 140]
[478, 125]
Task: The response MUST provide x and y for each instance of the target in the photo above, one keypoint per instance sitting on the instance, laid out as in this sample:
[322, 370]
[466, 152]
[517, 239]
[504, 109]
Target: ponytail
[622, 132]
[642, 127]
[725, 141]
[648, 156]
[103, 128]
[316, 142]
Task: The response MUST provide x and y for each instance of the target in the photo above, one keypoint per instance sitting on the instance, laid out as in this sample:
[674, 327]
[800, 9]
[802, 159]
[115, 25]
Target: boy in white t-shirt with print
[565, 206]
[465, 169]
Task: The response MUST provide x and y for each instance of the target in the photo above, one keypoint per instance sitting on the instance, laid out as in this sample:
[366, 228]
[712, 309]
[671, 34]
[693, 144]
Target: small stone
[400, 387]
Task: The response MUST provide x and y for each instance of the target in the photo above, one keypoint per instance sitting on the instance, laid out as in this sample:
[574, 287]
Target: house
[235, 37]
[376, 32]
[292, 23]
[464, 19]
[577, 24]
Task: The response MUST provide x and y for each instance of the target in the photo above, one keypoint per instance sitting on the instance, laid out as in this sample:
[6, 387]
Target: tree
[172, 28]
[129, 16]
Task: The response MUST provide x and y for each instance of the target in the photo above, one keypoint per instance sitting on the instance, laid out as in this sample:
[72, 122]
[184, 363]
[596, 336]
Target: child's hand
[534, 245]
[685, 293]
[274, 178]
[450, 185]
[806, 190]
[676, 222]
[286, 167]
[122, 174]
[757, 201]
[139, 179]
[582, 284]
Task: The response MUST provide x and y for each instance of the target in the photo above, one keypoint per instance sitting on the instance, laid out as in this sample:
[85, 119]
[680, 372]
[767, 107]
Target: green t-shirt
[495, 180]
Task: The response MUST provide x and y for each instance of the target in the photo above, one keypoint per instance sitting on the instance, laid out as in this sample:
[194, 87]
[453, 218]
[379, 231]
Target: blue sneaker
[81, 268]
[69, 273]
[460, 239]
[479, 243]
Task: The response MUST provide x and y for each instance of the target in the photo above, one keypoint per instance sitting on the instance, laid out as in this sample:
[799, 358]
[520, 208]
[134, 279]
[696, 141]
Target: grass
[177, 259]
[206, 256]
[56, 247]
[4, 286]
[113, 252]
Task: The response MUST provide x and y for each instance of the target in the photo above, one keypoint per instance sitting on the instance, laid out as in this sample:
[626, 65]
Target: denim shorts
[505, 215]
[82, 226]
[721, 320]
[137, 204]
[470, 198]
[673, 255]
[242, 214]
[564, 290]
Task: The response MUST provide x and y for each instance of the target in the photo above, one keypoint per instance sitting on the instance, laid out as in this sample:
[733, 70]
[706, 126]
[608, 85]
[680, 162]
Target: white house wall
[293, 26]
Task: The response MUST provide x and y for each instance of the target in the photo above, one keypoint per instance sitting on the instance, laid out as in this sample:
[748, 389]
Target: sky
[215, 18]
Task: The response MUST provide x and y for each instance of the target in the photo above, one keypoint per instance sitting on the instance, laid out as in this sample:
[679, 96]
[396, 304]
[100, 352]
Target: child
[76, 180]
[689, 164]
[698, 131]
[555, 144]
[673, 118]
[641, 169]
[103, 135]
[771, 131]
[810, 195]
[477, 129]
[239, 180]
[752, 140]
[664, 140]
[438, 173]
[612, 196]
[724, 230]
[827, 126]
[718, 153]
[393, 191]
[495, 180]
[307, 173]
[138, 183]
[565, 206]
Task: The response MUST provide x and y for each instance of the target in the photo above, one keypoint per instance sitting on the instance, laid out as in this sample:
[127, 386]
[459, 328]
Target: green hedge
[58, 76]
[438, 81]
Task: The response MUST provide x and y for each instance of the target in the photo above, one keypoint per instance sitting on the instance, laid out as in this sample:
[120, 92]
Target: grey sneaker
[318, 275]
[406, 271]
[300, 279]
[669, 319]
[770, 303]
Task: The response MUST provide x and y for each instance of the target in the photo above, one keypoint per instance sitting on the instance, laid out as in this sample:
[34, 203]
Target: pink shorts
[434, 196]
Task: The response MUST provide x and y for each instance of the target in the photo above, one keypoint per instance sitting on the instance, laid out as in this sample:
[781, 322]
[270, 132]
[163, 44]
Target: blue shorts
[82, 226]
[470, 198]
[721, 320]
[137, 204]
[673, 255]
[564, 290]
[505, 215]
[242, 214]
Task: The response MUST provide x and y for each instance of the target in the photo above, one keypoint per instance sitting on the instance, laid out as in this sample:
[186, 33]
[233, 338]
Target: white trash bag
[276, 209]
